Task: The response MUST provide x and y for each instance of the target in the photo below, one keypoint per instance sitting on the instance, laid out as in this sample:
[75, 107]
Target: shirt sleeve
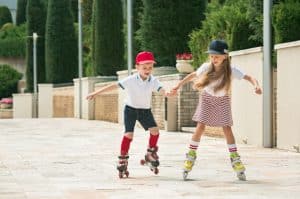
[202, 69]
[156, 85]
[237, 73]
[124, 82]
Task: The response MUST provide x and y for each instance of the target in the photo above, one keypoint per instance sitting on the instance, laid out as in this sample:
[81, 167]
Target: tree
[109, 39]
[87, 11]
[36, 18]
[166, 25]
[21, 12]
[74, 9]
[5, 16]
[61, 43]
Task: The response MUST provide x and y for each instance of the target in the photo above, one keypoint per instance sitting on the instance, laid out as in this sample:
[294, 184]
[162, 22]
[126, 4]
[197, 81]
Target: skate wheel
[143, 162]
[241, 176]
[185, 174]
[156, 171]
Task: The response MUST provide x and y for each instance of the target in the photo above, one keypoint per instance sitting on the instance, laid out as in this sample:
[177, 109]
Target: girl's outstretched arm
[255, 83]
[187, 78]
[101, 90]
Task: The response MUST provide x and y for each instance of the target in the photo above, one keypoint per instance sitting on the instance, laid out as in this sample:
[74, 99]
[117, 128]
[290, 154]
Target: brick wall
[63, 102]
[106, 105]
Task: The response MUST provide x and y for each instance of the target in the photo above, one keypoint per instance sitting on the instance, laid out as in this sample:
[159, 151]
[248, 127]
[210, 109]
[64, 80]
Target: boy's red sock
[125, 145]
[153, 140]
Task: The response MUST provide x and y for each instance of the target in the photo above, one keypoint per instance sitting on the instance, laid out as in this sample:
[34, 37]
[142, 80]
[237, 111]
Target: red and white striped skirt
[214, 111]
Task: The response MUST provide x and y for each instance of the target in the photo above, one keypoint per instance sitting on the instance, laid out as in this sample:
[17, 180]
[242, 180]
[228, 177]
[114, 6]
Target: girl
[214, 108]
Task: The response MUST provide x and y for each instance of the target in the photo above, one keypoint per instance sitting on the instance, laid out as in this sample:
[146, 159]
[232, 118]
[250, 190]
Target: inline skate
[151, 159]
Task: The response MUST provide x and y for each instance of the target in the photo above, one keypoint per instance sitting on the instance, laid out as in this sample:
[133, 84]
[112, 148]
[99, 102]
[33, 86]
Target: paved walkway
[75, 159]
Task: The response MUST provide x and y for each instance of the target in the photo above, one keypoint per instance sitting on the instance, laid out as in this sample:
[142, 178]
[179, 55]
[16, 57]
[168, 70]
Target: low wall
[247, 107]
[288, 96]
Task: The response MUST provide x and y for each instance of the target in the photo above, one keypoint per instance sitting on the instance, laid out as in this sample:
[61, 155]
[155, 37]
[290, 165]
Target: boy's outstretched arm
[101, 90]
[255, 83]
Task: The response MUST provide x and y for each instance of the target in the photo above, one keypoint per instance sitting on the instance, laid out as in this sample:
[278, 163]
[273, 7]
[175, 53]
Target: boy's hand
[169, 94]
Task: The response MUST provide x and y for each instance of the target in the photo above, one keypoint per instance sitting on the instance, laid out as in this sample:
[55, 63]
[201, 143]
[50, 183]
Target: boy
[139, 88]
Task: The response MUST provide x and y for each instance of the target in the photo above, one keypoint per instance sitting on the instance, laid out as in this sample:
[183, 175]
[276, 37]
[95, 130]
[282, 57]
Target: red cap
[144, 57]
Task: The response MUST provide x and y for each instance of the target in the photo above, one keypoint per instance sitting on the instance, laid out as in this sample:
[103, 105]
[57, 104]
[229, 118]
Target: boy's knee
[154, 130]
[129, 135]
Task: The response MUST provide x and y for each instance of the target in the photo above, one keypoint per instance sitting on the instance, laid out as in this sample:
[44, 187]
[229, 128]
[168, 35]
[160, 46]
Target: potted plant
[183, 63]
[6, 103]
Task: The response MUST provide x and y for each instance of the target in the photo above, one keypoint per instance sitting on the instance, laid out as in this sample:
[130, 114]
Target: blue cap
[218, 47]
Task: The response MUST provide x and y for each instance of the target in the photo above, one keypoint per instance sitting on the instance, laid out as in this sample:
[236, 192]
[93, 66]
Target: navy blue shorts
[144, 116]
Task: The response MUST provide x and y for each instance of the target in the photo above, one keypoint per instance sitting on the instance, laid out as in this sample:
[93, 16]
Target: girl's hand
[258, 90]
[90, 96]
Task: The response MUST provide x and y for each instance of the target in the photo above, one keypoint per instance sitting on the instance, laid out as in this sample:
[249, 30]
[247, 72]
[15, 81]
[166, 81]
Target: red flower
[6, 101]
[184, 56]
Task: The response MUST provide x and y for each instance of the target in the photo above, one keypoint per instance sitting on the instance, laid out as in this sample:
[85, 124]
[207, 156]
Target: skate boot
[189, 163]
[237, 165]
[151, 159]
[122, 166]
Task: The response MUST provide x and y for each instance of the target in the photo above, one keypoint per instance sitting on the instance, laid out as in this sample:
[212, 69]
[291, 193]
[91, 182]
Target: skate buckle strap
[153, 149]
[123, 157]
[190, 158]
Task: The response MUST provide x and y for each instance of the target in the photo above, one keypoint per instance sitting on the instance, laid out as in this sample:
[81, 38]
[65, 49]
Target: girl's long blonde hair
[211, 75]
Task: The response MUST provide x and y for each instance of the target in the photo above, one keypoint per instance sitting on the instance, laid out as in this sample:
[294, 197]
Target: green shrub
[9, 78]
[286, 21]
[12, 40]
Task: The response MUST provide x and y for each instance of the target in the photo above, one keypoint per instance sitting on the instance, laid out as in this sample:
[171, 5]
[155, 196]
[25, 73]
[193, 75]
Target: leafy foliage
[9, 78]
[286, 18]
[12, 40]
[166, 25]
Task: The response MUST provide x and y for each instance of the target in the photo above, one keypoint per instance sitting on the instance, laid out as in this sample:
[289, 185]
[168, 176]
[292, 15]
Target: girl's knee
[227, 129]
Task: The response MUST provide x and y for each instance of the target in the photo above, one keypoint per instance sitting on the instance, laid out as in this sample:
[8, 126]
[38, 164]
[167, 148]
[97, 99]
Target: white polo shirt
[139, 91]
[236, 73]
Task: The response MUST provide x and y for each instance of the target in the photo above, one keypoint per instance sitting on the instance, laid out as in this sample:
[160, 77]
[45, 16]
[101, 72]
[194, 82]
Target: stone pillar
[23, 105]
[88, 86]
[45, 104]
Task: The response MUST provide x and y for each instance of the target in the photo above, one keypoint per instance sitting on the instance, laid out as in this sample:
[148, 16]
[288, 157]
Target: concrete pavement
[76, 159]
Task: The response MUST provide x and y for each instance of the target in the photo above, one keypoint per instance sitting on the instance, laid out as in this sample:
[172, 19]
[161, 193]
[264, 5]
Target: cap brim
[147, 62]
[215, 52]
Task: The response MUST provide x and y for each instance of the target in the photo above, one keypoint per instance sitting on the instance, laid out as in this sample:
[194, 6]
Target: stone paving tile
[76, 159]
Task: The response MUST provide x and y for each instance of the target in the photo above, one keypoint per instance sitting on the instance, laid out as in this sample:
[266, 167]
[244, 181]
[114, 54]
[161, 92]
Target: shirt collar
[139, 77]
